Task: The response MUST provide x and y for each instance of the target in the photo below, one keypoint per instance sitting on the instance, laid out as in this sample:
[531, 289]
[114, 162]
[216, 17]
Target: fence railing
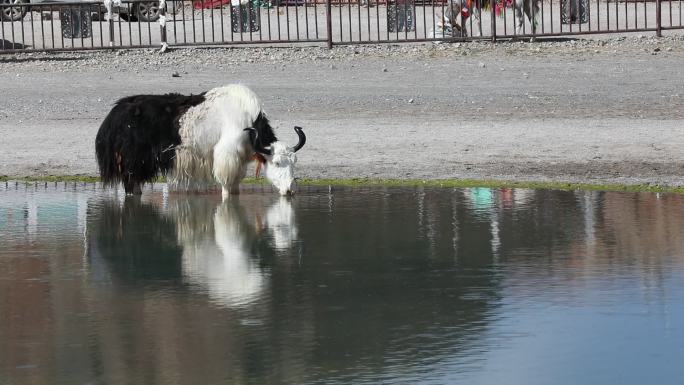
[82, 25]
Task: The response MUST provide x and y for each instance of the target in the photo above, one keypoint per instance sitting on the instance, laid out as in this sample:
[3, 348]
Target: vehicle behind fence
[42, 25]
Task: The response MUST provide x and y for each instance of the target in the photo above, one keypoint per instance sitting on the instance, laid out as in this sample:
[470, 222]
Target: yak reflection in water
[211, 245]
[224, 262]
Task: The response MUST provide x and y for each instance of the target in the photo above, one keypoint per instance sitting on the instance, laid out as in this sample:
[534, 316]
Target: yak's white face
[280, 168]
[280, 159]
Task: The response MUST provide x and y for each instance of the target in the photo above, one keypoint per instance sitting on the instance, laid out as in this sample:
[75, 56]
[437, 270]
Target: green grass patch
[51, 178]
[464, 183]
[433, 183]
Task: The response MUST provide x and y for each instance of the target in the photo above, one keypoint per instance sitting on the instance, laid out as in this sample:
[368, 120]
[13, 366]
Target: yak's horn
[256, 143]
[302, 139]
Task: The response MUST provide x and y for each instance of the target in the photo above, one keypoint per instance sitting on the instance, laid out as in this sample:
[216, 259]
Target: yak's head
[280, 160]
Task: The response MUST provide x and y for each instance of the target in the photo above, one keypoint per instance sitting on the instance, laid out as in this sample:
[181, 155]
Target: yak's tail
[109, 158]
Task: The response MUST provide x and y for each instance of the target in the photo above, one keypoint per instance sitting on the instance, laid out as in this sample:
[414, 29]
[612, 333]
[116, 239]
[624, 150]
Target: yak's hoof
[226, 193]
[133, 190]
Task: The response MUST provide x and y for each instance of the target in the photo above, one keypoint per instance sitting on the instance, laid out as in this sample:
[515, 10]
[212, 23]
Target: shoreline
[399, 183]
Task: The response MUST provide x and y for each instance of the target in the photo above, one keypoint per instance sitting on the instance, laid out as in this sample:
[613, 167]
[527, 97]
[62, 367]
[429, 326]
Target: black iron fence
[77, 25]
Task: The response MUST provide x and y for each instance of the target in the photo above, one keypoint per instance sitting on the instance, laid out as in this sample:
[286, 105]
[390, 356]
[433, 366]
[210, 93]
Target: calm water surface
[348, 286]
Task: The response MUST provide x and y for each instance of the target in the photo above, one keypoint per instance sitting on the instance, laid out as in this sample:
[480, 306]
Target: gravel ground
[595, 111]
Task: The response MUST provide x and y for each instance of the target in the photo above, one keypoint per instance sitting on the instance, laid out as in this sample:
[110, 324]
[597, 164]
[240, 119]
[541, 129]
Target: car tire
[13, 13]
[148, 11]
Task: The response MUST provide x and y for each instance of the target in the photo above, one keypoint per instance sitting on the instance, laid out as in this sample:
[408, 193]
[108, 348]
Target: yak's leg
[232, 188]
[226, 192]
[229, 188]
[131, 186]
[229, 167]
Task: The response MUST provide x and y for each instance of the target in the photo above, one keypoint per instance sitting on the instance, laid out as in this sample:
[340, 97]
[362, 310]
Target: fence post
[493, 22]
[328, 22]
[111, 31]
[659, 31]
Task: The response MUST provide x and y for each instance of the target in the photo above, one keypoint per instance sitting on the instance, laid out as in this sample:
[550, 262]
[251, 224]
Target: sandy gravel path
[597, 111]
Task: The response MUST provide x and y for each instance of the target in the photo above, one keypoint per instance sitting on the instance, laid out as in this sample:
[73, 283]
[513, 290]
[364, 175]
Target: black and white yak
[196, 140]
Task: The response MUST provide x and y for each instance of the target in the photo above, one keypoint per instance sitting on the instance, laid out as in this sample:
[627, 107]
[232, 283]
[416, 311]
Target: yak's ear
[256, 143]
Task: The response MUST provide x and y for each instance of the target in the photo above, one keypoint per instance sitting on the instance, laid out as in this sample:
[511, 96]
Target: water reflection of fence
[87, 25]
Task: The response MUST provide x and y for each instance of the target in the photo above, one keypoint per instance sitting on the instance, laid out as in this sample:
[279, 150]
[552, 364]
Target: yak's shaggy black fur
[136, 142]
[263, 128]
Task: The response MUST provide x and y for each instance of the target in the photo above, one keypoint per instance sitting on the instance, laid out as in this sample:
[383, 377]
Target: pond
[340, 286]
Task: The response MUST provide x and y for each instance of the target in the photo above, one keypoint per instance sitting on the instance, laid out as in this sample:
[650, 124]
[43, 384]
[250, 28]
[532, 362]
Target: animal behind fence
[452, 18]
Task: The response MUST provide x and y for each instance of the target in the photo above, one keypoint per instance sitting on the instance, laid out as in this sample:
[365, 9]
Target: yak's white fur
[215, 147]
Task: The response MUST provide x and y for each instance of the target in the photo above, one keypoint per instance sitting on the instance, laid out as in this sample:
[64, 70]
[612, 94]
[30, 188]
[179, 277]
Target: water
[349, 286]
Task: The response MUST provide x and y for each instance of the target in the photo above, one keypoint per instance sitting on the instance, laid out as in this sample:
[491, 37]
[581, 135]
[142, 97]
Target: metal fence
[114, 24]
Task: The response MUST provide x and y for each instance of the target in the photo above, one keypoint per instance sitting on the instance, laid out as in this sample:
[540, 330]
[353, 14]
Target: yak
[195, 140]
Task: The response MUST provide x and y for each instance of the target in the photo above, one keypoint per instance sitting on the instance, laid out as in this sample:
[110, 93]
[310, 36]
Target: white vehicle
[143, 11]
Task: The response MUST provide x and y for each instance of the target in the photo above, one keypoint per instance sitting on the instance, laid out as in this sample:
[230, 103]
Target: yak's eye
[279, 161]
